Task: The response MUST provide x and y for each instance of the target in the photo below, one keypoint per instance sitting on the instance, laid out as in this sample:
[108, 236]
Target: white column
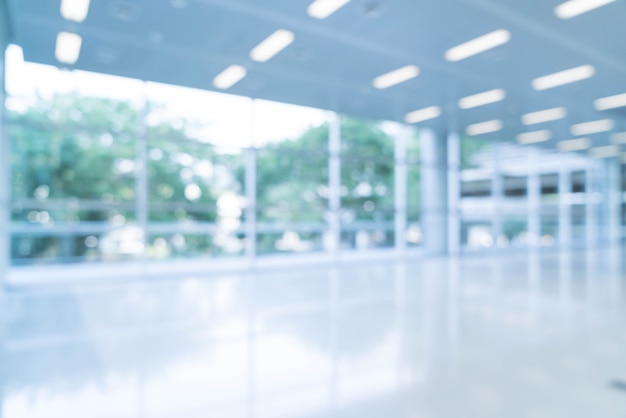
[497, 196]
[533, 188]
[613, 206]
[400, 188]
[250, 186]
[434, 172]
[591, 218]
[334, 184]
[5, 166]
[565, 207]
[454, 193]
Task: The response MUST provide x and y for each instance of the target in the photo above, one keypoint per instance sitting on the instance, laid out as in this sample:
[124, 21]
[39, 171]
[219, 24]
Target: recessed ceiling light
[534, 137]
[593, 127]
[574, 8]
[478, 45]
[75, 10]
[563, 77]
[484, 127]
[229, 77]
[321, 9]
[611, 102]
[542, 116]
[481, 99]
[606, 151]
[396, 77]
[421, 115]
[578, 144]
[272, 45]
[618, 138]
[67, 48]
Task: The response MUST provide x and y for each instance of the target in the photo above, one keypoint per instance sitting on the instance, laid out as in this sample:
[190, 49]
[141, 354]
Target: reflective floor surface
[538, 335]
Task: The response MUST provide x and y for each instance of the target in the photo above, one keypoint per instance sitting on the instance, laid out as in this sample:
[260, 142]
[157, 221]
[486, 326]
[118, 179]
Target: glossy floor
[527, 335]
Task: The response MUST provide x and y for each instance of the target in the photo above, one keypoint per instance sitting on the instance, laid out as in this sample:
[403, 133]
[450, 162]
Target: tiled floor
[528, 335]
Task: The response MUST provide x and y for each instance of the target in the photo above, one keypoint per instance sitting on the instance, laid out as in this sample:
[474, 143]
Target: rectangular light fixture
[321, 9]
[421, 115]
[611, 102]
[229, 77]
[534, 137]
[272, 45]
[67, 48]
[578, 144]
[396, 77]
[478, 45]
[593, 127]
[482, 99]
[606, 151]
[484, 127]
[574, 8]
[542, 116]
[75, 10]
[619, 138]
[564, 77]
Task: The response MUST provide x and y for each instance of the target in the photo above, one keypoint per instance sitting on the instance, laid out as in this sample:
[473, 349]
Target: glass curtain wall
[498, 206]
[73, 154]
[291, 179]
[195, 172]
[112, 169]
[367, 185]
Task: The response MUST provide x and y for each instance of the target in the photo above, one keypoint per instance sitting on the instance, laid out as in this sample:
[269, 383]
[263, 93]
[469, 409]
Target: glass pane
[292, 178]
[367, 184]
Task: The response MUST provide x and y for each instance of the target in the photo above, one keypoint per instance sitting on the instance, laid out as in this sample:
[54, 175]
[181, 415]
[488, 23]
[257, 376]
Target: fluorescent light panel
[229, 77]
[422, 115]
[611, 102]
[478, 45]
[542, 116]
[67, 48]
[482, 99]
[606, 151]
[578, 144]
[534, 137]
[321, 9]
[396, 77]
[75, 10]
[593, 127]
[619, 138]
[272, 45]
[564, 77]
[484, 127]
[574, 8]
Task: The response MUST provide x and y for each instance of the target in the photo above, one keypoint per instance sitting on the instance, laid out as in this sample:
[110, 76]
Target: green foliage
[469, 148]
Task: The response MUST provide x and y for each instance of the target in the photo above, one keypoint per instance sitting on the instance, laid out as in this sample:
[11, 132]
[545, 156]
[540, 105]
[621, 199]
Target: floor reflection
[528, 335]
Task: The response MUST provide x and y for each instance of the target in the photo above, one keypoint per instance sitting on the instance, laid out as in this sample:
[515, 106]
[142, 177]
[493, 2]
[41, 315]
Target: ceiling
[332, 62]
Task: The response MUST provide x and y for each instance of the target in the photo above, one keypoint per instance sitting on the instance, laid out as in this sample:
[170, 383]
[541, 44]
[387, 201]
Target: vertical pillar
[400, 188]
[250, 186]
[613, 204]
[5, 160]
[334, 184]
[591, 219]
[141, 174]
[497, 196]
[454, 193]
[565, 207]
[533, 187]
[434, 173]
[5, 189]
